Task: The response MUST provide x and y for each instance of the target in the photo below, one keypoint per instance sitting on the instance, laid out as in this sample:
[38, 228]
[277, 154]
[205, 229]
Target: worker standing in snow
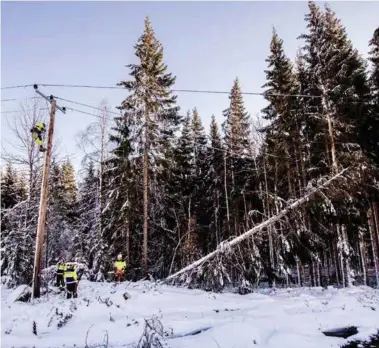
[71, 280]
[37, 132]
[119, 268]
[60, 273]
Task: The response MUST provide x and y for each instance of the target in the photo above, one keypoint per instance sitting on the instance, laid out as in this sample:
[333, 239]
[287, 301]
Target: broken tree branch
[259, 227]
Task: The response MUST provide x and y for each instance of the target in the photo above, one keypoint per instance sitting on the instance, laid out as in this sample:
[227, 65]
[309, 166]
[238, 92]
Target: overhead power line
[111, 119]
[88, 106]
[15, 99]
[19, 86]
[7, 100]
[173, 90]
[87, 113]
[22, 110]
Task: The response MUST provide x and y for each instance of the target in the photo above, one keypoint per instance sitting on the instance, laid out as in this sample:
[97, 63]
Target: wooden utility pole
[44, 196]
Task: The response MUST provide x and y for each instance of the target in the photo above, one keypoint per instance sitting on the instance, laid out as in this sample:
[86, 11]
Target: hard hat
[119, 256]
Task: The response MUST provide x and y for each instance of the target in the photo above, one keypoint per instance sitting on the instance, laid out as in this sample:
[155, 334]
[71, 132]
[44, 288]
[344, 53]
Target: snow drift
[103, 317]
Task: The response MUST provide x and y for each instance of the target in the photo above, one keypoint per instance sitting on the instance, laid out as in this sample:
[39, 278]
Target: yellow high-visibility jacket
[61, 267]
[119, 265]
[40, 126]
[70, 277]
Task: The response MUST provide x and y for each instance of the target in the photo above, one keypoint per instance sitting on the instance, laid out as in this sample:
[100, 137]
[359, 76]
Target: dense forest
[163, 191]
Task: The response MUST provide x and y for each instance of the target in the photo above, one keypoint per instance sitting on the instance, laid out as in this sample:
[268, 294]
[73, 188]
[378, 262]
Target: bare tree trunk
[376, 219]
[362, 248]
[302, 268]
[145, 209]
[288, 169]
[340, 252]
[318, 264]
[335, 261]
[145, 196]
[298, 272]
[332, 146]
[327, 260]
[348, 257]
[311, 273]
[226, 195]
[103, 128]
[189, 220]
[268, 212]
[216, 217]
[127, 227]
[374, 245]
[246, 213]
[268, 215]
[47, 249]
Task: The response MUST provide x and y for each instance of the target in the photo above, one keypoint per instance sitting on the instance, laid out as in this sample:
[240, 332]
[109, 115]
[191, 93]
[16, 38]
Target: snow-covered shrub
[153, 335]
[22, 293]
[239, 268]
[7, 281]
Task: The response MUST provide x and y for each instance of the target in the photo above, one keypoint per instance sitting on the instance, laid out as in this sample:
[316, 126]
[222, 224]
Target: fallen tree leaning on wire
[226, 245]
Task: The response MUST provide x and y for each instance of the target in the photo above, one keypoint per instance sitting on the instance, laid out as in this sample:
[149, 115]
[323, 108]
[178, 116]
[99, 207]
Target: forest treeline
[163, 191]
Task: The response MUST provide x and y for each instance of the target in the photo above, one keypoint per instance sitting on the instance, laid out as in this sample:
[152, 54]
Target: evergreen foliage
[206, 187]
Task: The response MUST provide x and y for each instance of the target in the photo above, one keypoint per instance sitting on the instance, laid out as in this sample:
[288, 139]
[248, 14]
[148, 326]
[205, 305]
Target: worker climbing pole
[44, 191]
[38, 132]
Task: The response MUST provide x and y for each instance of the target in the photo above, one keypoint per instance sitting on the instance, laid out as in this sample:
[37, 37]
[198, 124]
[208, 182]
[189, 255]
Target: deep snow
[268, 318]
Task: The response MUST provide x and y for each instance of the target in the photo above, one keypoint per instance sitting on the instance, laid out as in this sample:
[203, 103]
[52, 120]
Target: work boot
[42, 149]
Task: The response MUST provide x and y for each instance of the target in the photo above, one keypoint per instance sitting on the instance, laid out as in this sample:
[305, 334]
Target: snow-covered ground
[283, 318]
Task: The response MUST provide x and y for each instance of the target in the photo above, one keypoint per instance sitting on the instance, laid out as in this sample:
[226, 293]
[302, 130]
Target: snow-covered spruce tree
[237, 161]
[339, 79]
[237, 170]
[86, 233]
[154, 120]
[214, 184]
[281, 84]
[69, 184]
[281, 151]
[180, 191]
[189, 176]
[9, 198]
[337, 76]
[9, 188]
[122, 204]
[61, 213]
[371, 126]
[16, 253]
[54, 218]
[372, 136]
[200, 167]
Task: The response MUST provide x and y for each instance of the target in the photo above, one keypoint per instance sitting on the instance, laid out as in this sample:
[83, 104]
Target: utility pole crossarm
[49, 99]
[44, 196]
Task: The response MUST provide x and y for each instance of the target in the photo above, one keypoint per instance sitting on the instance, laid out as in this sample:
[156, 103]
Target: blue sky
[207, 45]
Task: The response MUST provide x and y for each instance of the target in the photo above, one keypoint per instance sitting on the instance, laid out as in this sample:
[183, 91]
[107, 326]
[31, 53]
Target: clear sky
[206, 45]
